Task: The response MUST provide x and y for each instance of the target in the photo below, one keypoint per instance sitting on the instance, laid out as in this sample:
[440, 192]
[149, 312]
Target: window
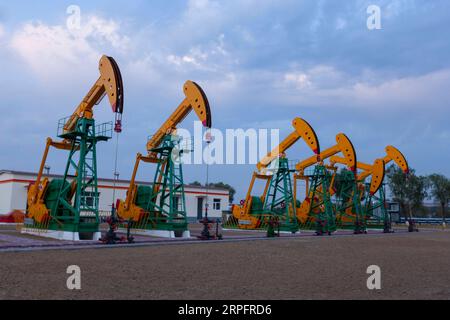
[394, 207]
[216, 204]
[88, 198]
[177, 203]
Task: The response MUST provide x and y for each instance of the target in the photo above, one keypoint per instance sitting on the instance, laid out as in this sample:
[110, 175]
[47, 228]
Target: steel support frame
[166, 206]
[79, 215]
[279, 201]
[321, 207]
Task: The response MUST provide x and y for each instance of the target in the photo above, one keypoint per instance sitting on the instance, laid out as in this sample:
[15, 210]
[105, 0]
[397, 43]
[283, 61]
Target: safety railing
[36, 227]
[103, 130]
[61, 124]
[231, 222]
[184, 144]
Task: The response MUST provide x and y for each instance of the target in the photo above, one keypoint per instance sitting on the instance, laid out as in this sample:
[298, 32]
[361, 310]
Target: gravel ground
[413, 266]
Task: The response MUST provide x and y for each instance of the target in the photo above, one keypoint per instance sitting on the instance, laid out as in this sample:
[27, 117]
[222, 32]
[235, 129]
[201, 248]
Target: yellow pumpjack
[244, 213]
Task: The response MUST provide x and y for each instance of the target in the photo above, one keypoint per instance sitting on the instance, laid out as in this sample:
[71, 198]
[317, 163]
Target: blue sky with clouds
[261, 63]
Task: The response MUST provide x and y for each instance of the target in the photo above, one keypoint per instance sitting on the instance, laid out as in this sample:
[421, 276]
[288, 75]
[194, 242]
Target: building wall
[5, 193]
[14, 186]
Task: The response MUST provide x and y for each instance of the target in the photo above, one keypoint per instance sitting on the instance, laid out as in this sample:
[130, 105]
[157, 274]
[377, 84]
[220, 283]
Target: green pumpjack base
[284, 227]
[289, 228]
[313, 226]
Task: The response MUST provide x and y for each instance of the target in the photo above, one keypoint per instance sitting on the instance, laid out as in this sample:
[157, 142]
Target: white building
[14, 186]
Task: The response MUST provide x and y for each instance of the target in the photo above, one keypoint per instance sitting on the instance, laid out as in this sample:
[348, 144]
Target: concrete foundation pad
[260, 231]
[157, 233]
[59, 235]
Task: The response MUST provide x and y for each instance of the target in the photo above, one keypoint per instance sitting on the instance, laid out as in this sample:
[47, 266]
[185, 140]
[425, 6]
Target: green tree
[417, 187]
[409, 190]
[226, 186]
[440, 191]
[341, 181]
[397, 186]
[221, 185]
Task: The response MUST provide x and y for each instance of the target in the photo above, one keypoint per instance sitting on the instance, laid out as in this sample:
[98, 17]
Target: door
[199, 208]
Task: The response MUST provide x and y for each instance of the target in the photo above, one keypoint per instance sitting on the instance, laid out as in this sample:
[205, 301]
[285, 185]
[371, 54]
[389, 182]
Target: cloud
[396, 8]
[2, 31]
[46, 48]
[318, 77]
[51, 50]
[325, 86]
[194, 58]
[426, 91]
[261, 63]
[300, 80]
[212, 57]
[105, 31]
[341, 24]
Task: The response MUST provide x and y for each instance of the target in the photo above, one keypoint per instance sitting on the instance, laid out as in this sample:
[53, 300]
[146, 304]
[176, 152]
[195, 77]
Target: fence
[423, 220]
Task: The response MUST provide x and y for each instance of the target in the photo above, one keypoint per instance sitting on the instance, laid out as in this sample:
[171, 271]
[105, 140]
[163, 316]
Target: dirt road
[413, 266]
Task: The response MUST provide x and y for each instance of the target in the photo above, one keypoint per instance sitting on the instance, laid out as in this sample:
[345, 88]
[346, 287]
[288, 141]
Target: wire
[208, 141]
[116, 174]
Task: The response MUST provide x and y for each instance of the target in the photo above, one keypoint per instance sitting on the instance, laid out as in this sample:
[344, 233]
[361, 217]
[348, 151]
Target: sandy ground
[413, 266]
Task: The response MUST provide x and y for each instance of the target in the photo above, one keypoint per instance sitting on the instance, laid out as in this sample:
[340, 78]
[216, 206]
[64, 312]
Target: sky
[261, 64]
